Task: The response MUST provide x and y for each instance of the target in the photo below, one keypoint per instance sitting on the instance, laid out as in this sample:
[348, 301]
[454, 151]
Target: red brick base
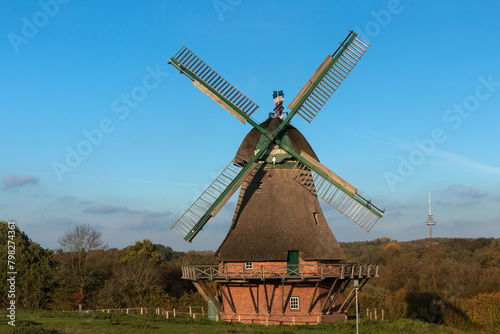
[251, 305]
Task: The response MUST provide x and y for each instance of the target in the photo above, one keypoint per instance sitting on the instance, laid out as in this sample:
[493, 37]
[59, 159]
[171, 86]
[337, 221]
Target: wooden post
[216, 317]
[194, 315]
[293, 321]
[174, 312]
[267, 317]
[367, 313]
[382, 314]
[142, 312]
[190, 311]
[127, 311]
[166, 315]
[239, 318]
[317, 319]
[375, 314]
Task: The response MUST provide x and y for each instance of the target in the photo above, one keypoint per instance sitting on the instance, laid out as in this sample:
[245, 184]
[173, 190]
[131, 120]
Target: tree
[142, 268]
[82, 258]
[33, 266]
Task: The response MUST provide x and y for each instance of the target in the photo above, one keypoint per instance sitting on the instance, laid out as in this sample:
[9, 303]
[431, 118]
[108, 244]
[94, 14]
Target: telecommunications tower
[430, 222]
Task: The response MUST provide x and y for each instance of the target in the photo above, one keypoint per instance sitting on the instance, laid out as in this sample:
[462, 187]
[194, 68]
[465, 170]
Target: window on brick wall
[294, 303]
[248, 265]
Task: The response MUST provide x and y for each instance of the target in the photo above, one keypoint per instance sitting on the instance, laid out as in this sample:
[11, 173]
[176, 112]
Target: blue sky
[98, 129]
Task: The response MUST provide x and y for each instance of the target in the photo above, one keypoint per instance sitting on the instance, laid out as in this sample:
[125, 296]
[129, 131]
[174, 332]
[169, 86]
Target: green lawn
[96, 323]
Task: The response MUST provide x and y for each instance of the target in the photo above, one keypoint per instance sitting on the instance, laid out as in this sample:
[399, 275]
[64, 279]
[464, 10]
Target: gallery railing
[279, 271]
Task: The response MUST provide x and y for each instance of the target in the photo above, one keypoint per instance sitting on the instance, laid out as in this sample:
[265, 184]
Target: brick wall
[270, 310]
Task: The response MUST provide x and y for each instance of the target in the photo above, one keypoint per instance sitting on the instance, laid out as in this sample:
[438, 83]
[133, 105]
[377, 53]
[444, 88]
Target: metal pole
[356, 285]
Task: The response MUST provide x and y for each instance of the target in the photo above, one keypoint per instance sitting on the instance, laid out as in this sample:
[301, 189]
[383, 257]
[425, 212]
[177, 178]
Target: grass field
[75, 323]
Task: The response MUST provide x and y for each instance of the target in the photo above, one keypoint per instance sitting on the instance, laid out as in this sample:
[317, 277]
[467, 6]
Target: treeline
[451, 281]
[447, 281]
[84, 274]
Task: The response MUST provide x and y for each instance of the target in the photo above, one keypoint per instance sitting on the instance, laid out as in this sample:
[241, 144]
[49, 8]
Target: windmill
[278, 231]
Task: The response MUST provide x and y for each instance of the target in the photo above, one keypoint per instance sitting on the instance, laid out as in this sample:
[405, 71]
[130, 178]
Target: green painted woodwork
[266, 142]
[329, 179]
[213, 312]
[216, 93]
[292, 263]
[352, 35]
[268, 154]
[227, 193]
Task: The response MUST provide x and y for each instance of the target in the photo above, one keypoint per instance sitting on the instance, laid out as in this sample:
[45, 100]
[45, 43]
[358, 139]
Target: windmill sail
[335, 191]
[328, 77]
[307, 171]
[212, 84]
[213, 198]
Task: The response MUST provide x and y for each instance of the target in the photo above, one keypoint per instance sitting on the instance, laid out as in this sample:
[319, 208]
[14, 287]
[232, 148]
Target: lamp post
[356, 287]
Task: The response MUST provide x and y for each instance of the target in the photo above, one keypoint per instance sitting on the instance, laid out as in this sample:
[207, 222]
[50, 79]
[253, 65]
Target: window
[294, 303]
[248, 265]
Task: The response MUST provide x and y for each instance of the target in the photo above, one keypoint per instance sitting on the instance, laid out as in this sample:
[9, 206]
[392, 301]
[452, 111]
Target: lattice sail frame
[328, 77]
[343, 197]
[307, 104]
[214, 85]
[213, 198]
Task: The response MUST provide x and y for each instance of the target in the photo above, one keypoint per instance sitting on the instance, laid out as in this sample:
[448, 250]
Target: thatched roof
[275, 214]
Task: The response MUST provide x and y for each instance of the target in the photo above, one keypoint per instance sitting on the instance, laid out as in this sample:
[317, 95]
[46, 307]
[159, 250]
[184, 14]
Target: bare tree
[83, 247]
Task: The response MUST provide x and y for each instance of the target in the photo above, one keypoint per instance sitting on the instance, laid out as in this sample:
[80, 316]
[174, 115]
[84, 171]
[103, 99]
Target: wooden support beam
[328, 296]
[201, 291]
[343, 285]
[228, 299]
[312, 298]
[346, 301]
[288, 297]
[206, 293]
[361, 285]
[255, 305]
[282, 295]
[268, 306]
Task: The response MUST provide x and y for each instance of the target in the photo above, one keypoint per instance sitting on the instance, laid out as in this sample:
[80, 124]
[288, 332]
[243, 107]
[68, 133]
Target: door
[292, 263]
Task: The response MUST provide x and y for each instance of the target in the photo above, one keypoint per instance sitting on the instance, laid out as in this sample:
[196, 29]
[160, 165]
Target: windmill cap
[299, 142]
